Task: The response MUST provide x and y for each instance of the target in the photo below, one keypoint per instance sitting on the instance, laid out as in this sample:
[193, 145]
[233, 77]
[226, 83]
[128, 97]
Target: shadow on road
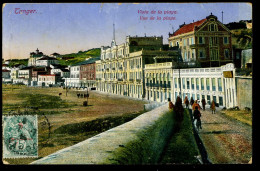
[220, 132]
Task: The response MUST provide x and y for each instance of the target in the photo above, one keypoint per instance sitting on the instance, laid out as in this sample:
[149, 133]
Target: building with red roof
[207, 42]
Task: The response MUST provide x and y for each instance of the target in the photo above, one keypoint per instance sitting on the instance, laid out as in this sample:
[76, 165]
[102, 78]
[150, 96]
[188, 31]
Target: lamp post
[179, 67]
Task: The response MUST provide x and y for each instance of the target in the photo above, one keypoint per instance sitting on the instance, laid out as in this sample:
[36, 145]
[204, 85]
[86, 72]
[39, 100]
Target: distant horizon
[67, 28]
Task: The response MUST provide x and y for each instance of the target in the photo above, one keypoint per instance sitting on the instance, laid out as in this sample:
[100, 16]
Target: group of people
[195, 103]
[195, 108]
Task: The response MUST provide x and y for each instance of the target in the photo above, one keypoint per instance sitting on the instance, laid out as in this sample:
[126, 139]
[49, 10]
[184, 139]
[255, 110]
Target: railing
[158, 65]
[158, 85]
[138, 80]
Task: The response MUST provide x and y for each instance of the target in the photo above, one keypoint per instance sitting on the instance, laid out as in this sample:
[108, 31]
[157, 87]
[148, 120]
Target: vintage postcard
[127, 83]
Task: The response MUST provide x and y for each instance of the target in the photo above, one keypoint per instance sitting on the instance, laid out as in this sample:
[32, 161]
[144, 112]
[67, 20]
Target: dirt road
[227, 141]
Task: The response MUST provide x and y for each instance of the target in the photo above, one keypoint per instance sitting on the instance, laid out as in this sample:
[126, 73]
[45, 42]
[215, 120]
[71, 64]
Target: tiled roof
[47, 75]
[47, 58]
[5, 70]
[189, 27]
[89, 61]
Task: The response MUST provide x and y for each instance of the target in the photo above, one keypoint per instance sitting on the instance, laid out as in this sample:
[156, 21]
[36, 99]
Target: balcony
[138, 80]
[119, 79]
[131, 80]
[192, 46]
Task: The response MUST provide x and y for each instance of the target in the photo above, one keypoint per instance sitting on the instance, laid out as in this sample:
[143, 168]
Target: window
[185, 55]
[192, 83]
[183, 83]
[226, 53]
[213, 41]
[202, 83]
[214, 54]
[208, 99]
[201, 40]
[213, 84]
[220, 101]
[198, 96]
[213, 27]
[197, 84]
[193, 54]
[184, 42]
[201, 53]
[175, 82]
[192, 41]
[225, 40]
[188, 83]
[207, 83]
[219, 84]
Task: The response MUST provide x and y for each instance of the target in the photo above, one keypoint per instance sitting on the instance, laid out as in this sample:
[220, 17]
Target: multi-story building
[158, 81]
[206, 41]
[73, 80]
[36, 71]
[47, 80]
[121, 69]
[6, 75]
[24, 76]
[46, 61]
[33, 57]
[88, 73]
[215, 83]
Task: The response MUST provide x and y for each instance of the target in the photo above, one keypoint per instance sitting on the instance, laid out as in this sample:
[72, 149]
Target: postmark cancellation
[20, 136]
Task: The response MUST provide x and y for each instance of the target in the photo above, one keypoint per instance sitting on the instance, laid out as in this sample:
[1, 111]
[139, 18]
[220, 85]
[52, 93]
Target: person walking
[213, 106]
[171, 105]
[203, 101]
[195, 104]
[178, 109]
[186, 102]
[196, 116]
[191, 101]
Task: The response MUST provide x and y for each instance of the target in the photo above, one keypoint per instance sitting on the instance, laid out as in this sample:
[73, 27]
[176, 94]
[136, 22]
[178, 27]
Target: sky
[71, 27]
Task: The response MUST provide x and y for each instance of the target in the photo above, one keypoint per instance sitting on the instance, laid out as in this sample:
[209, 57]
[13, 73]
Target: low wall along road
[140, 141]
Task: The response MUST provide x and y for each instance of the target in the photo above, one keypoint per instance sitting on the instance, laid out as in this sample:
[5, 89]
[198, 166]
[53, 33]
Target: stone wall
[140, 141]
[244, 92]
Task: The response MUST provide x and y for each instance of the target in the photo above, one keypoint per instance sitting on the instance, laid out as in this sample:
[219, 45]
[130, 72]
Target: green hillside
[18, 61]
[73, 58]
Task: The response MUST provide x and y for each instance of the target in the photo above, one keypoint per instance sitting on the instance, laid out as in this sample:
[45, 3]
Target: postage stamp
[20, 136]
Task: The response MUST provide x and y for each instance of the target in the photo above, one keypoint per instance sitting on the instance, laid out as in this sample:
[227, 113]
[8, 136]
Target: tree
[245, 39]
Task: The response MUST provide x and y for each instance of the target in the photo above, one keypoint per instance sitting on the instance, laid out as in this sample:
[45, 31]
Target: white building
[73, 80]
[6, 76]
[65, 73]
[46, 61]
[158, 78]
[216, 84]
[47, 80]
[24, 76]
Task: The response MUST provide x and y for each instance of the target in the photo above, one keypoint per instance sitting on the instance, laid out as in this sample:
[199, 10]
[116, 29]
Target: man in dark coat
[191, 101]
[203, 101]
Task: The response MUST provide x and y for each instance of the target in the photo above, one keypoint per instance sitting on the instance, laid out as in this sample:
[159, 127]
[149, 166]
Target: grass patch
[98, 125]
[182, 147]
[44, 101]
[240, 115]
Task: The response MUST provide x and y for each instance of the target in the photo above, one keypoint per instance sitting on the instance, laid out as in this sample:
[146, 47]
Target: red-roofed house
[206, 41]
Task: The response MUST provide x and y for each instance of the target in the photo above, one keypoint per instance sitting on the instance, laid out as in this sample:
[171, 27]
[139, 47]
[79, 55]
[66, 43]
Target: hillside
[18, 61]
[242, 38]
[73, 58]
